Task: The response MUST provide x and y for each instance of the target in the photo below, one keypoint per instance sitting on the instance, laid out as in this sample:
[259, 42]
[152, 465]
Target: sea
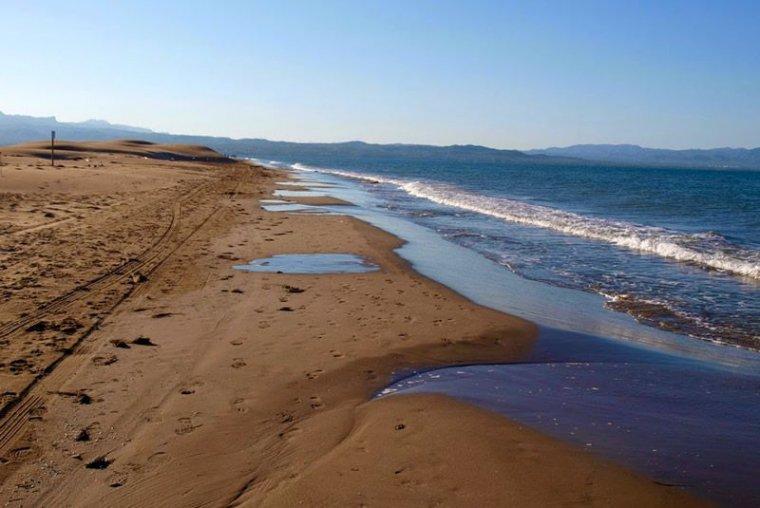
[676, 248]
[644, 284]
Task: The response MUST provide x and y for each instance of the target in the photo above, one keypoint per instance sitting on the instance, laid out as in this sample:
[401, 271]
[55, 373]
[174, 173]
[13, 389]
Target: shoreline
[244, 402]
[440, 201]
[595, 318]
[656, 449]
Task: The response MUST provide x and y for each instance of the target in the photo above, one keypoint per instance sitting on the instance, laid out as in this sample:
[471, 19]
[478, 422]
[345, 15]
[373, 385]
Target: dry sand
[243, 388]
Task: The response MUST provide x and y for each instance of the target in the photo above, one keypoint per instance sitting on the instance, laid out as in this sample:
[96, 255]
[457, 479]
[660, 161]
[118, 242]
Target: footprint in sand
[185, 426]
[144, 341]
[115, 484]
[80, 397]
[240, 406]
[315, 401]
[105, 360]
[156, 456]
[17, 454]
[99, 463]
[238, 363]
[289, 433]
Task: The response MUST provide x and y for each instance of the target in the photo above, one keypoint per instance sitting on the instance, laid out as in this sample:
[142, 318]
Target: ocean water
[683, 412]
[678, 249]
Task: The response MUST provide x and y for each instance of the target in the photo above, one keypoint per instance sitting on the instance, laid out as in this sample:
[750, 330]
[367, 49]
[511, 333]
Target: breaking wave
[707, 249]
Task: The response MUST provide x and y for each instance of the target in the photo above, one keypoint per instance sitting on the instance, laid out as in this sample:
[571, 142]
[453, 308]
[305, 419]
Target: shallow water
[291, 207]
[678, 421]
[310, 264]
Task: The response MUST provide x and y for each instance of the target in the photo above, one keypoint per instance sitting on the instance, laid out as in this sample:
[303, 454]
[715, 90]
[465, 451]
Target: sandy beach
[139, 368]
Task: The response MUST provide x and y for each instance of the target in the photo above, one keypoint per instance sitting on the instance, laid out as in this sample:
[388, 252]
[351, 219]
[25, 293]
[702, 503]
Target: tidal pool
[292, 207]
[310, 264]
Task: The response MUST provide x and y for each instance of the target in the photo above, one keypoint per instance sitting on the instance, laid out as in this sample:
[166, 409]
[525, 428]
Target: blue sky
[503, 74]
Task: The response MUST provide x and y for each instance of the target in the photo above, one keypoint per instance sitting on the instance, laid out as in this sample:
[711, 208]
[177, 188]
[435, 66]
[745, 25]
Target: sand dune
[70, 150]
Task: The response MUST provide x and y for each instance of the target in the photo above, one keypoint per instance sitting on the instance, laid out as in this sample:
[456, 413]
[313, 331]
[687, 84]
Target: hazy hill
[16, 129]
[634, 154]
[359, 150]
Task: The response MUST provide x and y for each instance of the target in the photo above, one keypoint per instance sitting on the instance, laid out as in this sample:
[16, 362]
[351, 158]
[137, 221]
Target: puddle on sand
[280, 205]
[292, 207]
[310, 264]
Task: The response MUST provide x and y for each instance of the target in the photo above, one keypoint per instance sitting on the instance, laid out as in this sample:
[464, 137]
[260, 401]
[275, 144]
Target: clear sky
[498, 73]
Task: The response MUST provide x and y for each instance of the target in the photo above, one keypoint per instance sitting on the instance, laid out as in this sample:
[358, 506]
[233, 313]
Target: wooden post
[52, 148]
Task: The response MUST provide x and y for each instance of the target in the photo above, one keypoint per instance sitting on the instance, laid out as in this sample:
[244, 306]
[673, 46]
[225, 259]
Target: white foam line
[712, 250]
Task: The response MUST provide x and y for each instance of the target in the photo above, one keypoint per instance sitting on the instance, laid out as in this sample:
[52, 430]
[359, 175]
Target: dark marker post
[52, 148]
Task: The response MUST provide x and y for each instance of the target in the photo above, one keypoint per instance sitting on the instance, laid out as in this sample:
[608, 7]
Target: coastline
[509, 227]
[244, 402]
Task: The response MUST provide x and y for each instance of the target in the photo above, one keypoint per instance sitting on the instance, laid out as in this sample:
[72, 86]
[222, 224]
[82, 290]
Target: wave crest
[706, 249]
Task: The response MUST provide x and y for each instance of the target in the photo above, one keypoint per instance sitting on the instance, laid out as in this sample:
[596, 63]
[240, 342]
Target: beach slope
[140, 368]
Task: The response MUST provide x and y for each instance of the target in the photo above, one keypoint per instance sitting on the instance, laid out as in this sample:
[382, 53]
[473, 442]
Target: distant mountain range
[16, 129]
[20, 129]
[633, 154]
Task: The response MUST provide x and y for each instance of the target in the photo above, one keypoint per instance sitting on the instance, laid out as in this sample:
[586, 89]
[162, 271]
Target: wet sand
[139, 367]
[320, 201]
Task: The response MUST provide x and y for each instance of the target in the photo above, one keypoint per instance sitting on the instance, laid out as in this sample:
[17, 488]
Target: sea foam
[706, 249]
